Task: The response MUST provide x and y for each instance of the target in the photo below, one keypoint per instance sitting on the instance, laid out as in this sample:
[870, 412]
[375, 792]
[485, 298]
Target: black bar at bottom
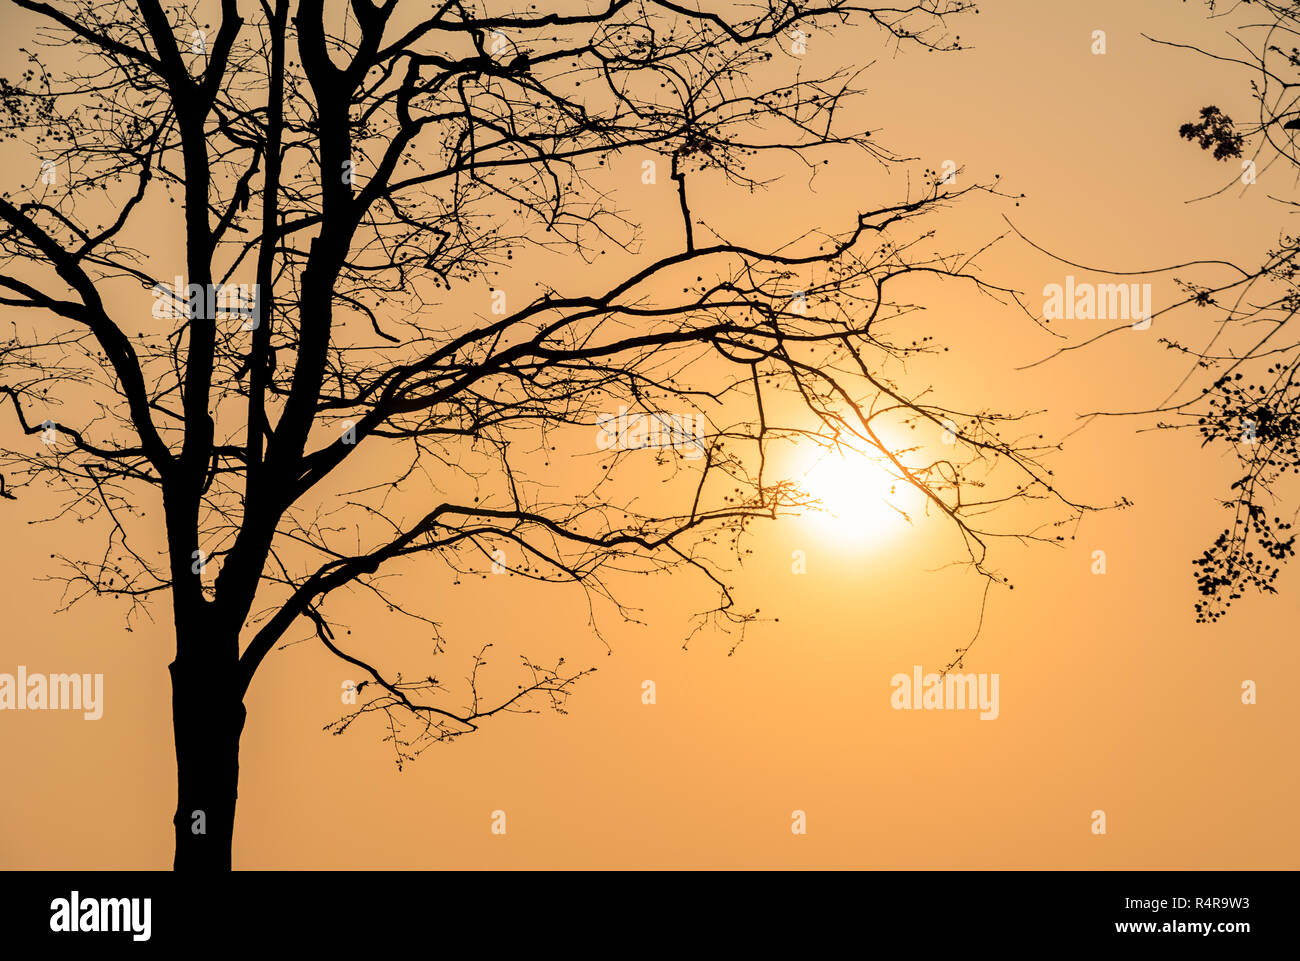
[615, 911]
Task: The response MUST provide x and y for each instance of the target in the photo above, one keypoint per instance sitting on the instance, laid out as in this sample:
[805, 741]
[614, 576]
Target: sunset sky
[1112, 698]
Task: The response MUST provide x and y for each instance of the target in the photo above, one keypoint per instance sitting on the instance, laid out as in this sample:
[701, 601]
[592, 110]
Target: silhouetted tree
[360, 172]
[1242, 394]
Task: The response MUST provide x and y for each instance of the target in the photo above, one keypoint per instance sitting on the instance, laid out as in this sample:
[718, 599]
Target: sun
[854, 493]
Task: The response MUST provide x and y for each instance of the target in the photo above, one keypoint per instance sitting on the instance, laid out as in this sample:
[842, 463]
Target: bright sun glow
[855, 493]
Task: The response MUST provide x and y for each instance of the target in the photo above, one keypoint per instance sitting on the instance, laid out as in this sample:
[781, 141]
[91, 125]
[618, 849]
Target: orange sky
[1111, 697]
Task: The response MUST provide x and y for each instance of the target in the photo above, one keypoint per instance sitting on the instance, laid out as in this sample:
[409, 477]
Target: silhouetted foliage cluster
[1261, 420]
[1251, 408]
[1215, 130]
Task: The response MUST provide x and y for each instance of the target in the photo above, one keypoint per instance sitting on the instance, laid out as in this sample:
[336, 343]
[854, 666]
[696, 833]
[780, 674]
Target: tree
[345, 182]
[1241, 395]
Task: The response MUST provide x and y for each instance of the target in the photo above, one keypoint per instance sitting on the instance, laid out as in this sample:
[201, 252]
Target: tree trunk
[207, 718]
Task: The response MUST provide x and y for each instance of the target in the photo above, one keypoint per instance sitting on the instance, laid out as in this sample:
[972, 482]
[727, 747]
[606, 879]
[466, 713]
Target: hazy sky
[1110, 696]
